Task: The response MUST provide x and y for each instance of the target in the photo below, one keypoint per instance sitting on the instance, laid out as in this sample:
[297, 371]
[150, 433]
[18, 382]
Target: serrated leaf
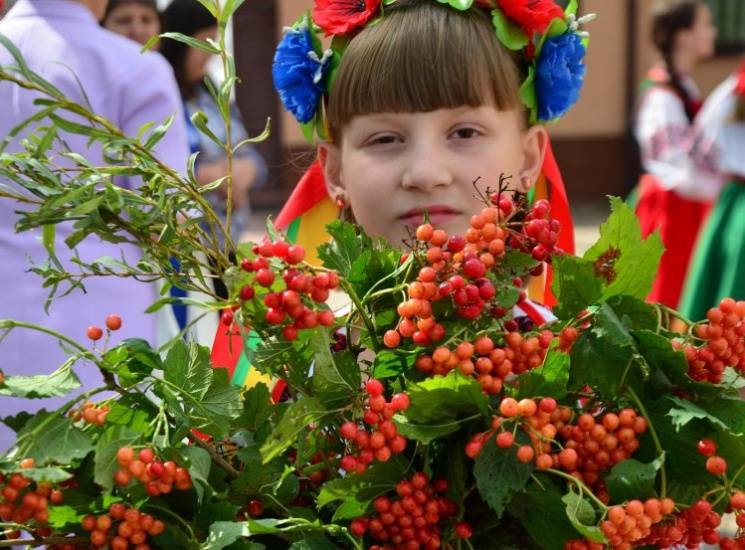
[49, 473]
[336, 376]
[632, 479]
[379, 478]
[548, 380]
[200, 464]
[424, 433]
[731, 409]
[132, 410]
[296, 418]
[188, 367]
[257, 407]
[499, 474]
[634, 269]
[224, 533]
[56, 384]
[575, 285]
[50, 438]
[219, 406]
[108, 444]
[443, 398]
[582, 516]
[60, 516]
[389, 364]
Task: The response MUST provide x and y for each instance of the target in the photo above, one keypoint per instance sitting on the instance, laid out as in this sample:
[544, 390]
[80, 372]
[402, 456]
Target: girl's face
[391, 167]
[699, 39]
[195, 63]
[133, 20]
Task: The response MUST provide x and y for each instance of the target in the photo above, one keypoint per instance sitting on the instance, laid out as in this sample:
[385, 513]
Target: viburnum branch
[580, 485]
[215, 456]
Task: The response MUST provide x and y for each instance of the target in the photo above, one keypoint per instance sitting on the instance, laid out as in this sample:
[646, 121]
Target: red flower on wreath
[341, 16]
[532, 15]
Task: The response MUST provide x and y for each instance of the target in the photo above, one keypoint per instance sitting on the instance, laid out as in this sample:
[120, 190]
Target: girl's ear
[330, 157]
[535, 143]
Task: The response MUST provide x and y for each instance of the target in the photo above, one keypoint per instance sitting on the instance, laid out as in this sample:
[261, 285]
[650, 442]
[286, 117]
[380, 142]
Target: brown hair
[669, 17]
[420, 57]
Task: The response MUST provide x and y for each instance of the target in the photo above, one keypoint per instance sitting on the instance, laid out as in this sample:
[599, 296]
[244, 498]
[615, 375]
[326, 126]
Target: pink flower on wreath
[532, 15]
[342, 16]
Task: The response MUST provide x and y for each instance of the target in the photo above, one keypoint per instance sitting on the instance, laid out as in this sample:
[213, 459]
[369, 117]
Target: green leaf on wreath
[499, 474]
[575, 285]
[631, 479]
[56, 384]
[50, 438]
[582, 516]
[626, 261]
[509, 34]
[296, 418]
[108, 444]
[443, 398]
[548, 380]
[458, 4]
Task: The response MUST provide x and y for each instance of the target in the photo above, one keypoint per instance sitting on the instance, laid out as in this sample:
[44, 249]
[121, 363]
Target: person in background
[669, 198]
[718, 264]
[189, 17]
[63, 41]
[138, 20]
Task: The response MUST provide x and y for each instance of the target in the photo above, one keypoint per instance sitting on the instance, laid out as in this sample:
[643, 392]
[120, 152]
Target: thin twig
[215, 456]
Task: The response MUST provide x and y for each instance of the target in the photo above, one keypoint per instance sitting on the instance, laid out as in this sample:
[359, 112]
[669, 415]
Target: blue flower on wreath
[559, 75]
[298, 73]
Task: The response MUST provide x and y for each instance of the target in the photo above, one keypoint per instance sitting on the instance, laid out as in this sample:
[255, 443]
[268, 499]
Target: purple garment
[61, 40]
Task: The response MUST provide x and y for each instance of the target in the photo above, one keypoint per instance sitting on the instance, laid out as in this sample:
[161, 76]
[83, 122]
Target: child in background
[718, 265]
[138, 20]
[670, 198]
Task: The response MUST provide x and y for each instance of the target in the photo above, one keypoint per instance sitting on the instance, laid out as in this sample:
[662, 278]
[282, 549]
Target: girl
[670, 198]
[718, 264]
[138, 20]
[412, 109]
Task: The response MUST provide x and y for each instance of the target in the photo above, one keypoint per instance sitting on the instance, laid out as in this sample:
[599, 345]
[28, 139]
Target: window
[729, 17]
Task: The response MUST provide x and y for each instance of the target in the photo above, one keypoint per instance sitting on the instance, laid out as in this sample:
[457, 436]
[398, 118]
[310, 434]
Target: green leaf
[542, 513]
[49, 473]
[379, 478]
[575, 285]
[582, 516]
[132, 410]
[257, 408]
[630, 261]
[424, 433]
[57, 384]
[257, 478]
[50, 438]
[548, 380]
[725, 413]
[193, 42]
[389, 364]
[199, 468]
[444, 398]
[461, 5]
[336, 376]
[499, 474]
[297, 417]
[60, 516]
[510, 35]
[188, 367]
[632, 479]
[219, 406]
[313, 544]
[106, 448]
[224, 533]
[528, 95]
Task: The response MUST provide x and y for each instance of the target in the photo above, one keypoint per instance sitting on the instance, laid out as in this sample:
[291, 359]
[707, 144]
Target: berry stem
[580, 485]
[216, 458]
[349, 289]
[655, 438]
[673, 313]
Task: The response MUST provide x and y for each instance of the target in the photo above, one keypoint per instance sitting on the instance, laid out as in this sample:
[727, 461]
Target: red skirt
[679, 220]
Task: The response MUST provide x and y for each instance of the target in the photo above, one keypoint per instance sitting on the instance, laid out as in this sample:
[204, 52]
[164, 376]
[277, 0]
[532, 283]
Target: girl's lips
[438, 215]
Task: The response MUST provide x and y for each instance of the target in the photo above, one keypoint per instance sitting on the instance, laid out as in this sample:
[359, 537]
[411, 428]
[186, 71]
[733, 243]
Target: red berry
[295, 254]
[247, 292]
[400, 402]
[94, 333]
[348, 430]
[716, 465]
[463, 530]
[146, 456]
[358, 527]
[706, 447]
[391, 339]
[255, 508]
[374, 387]
[113, 322]
[505, 439]
[265, 277]
[227, 318]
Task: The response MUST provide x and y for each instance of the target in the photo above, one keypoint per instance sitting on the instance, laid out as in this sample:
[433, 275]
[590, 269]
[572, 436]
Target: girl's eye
[384, 139]
[465, 133]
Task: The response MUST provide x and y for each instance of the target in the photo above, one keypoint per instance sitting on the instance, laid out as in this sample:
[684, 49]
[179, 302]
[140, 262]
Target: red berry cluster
[725, 343]
[383, 439]
[567, 337]
[158, 477]
[626, 525]
[486, 362]
[412, 519]
[537, 419]
[113, 322]
[688, 528]
[542, 233]
[122, 527]
[595, 444]
[737, 504]
[715, 465]
[91, 413]
[287, 307]
[582, 544]
[22, 501]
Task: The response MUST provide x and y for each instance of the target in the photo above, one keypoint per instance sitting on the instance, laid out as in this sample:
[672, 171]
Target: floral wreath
[548, 37]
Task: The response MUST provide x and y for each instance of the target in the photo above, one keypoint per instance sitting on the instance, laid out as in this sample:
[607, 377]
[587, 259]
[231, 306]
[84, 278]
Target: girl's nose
[426, 169]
